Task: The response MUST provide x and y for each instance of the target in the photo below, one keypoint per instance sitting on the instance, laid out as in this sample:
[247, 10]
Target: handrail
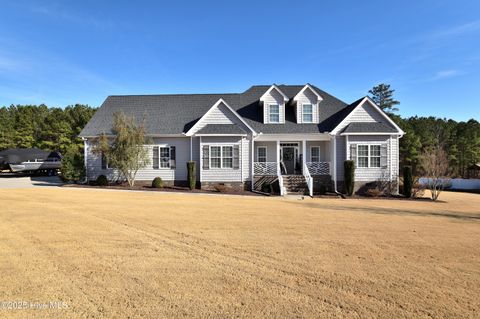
[280, 179]
[308, 179]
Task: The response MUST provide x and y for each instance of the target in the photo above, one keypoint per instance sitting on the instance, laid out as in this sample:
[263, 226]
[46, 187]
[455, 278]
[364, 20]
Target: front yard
[123, 254]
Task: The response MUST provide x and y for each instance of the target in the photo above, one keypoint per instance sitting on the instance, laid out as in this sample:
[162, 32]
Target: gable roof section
[347, 113]
[221, 129]
[274, 87]
[205, 118]
[308, 86]
[367, 127]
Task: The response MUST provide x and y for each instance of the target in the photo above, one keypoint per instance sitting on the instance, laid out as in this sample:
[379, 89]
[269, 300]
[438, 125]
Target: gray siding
[229, 174]
[220, 114]
[271, 150]
[373, 174]
[364, 113]
[341, 156]
[182, 145]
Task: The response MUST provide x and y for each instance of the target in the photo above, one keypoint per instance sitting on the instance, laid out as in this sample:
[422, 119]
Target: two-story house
[292, 135]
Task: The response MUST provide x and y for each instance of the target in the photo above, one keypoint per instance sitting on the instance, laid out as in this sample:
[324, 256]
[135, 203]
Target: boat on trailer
[29, 160]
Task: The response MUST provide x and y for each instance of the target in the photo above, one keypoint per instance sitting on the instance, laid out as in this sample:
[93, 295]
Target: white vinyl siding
[182, 144]
[220, 115]
[219, 174]
[274, 97]
[307, 100]
[365, 113]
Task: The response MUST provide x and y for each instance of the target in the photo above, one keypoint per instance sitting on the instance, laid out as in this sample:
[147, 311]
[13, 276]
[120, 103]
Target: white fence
[265, 168]
[319, 168]
[457, 183]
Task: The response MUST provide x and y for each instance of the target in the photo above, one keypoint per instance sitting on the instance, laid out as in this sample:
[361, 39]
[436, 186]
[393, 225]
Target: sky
[64, 52]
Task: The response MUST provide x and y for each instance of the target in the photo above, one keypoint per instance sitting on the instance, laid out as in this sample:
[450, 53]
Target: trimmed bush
[102, 180]
[157, 182]
[192, 176]
[349, 177]
[407, 181]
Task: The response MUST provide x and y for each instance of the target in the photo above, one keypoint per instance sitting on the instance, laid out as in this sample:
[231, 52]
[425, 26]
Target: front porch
[309, 160]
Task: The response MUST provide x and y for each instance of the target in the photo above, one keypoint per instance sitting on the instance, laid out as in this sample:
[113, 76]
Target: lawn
[109, 254]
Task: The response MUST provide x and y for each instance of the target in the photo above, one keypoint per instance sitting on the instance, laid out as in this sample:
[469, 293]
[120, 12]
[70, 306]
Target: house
[297, 136]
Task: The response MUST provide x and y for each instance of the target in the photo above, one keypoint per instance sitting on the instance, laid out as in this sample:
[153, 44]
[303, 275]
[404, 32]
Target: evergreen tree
[382, 95]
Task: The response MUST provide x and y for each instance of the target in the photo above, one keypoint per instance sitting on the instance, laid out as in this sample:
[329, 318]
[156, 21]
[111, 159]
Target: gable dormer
[307, 105]
[274, 101]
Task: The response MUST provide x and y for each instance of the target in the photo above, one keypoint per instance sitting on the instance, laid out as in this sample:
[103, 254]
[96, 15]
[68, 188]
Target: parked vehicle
[30, 160]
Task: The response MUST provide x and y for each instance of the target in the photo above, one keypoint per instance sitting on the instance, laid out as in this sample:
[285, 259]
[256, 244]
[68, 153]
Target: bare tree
[434, 162]
[125, 151]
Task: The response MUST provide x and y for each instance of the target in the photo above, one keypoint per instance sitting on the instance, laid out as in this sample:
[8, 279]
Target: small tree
[349, 177]
[73, 166]
[434, 162]
[125, 151]
[192, 178]
[407, 181]
[382, 95]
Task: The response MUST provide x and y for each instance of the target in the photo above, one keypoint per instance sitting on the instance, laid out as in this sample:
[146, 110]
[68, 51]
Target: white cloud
[445, 74]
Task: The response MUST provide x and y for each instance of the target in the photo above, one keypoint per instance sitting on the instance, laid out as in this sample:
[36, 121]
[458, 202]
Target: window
[227, 157]
[374, 155]
[274, 113]
[262, 154]
[307, 113]
[221, 157]
[164, 157]
[368, 156]
[315, 154]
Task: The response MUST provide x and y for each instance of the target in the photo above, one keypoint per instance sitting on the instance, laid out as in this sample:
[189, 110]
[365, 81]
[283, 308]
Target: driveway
[15, 181]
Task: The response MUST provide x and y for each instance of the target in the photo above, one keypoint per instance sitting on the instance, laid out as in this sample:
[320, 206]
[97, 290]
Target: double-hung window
[315, 154]
[274, 113]
[221, 157]
[261, 154]
[164, 157]
[368, 156]
[307, 113]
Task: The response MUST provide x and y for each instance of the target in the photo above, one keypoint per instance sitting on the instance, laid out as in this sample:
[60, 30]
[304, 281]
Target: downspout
[85, 152]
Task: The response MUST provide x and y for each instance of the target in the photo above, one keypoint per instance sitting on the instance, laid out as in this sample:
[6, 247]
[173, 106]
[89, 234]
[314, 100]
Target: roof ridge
[172, 94]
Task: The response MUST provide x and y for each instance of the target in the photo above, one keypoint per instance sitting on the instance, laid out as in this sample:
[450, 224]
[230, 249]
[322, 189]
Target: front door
[288, 159]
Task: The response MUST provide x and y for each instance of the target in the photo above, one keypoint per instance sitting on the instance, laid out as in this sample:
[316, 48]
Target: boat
[30, 160]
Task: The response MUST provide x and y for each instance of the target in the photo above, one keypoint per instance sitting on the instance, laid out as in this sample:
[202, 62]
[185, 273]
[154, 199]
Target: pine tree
[382, 95]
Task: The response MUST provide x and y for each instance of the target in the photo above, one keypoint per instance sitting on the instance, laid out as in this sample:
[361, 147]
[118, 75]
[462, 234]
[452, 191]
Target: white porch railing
[280, 180]
[308, 179]
[318, 168]
[265, 168]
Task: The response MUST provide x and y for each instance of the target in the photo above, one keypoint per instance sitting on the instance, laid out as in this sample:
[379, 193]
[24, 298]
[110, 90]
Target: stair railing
[308, 179]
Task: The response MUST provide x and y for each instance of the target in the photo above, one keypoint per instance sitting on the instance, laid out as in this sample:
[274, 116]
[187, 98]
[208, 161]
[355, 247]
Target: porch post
[304, 154]
[278, 155]
[335, 163]
[252, 158]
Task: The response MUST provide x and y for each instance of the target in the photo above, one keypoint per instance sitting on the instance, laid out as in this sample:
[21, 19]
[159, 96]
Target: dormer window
[307, 113]
[274, 113]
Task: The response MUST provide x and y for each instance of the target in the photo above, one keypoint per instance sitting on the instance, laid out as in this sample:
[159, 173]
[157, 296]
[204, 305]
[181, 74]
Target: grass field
[113, 254]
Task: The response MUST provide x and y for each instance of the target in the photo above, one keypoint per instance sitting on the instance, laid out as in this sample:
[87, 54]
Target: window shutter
[172, 157]
[267, 111]
[353, 152]
[383, 155]
[104, 161]
[236, 156]
[205, 157]
[155, 157]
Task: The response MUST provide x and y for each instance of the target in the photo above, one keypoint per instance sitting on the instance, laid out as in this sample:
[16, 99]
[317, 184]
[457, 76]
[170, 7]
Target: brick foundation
[230, 186]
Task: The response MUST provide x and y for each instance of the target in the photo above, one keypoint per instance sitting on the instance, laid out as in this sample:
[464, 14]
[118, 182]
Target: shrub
[102, 180]
[73, 168]
[407, 181]
[349, 176]
[373, 192]
[192, 178]
[157, 182]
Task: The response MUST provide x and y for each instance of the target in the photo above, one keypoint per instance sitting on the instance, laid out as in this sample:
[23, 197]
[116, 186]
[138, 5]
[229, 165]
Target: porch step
[295, 184]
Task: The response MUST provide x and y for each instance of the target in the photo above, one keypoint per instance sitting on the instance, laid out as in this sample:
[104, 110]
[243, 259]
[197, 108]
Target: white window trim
[369, 155]
[160, 156]
[312, 105]
[311, 148]
[266, 154]
[221, 156]
[279, 112]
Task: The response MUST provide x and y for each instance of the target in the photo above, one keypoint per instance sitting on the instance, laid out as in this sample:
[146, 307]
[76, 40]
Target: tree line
[25, 126]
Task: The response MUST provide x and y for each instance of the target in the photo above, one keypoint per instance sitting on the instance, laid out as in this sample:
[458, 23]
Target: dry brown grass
[124, 254]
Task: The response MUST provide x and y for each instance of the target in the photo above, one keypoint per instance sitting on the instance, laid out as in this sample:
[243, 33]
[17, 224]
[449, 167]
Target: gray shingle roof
[368, 127]
[176, 114]
[221, 129]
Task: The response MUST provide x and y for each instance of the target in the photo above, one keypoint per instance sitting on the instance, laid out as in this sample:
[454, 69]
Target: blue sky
[66, 52]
